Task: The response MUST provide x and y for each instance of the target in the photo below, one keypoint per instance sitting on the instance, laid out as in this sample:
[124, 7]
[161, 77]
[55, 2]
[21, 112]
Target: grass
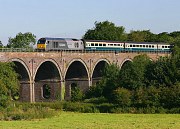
[69, 120]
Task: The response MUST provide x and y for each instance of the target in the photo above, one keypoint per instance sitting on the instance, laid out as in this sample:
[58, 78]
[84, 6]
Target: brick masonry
[31, 91]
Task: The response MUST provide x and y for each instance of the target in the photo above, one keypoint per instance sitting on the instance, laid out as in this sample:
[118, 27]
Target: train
[59, 44]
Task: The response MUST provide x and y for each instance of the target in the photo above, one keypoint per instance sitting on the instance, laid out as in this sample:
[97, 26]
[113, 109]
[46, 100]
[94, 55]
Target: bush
[26, 112]
[124, 110]
[98, 100]
[80, 107]
[121, 96]
[76, 94]
[105, 107]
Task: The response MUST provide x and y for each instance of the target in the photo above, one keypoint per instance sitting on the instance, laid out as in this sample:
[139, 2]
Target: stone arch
[76, 73]
[25, 89]
[53, 62]
[47, 73]
[97, 69]
[125, 61]
[24, 67]
[76, 60]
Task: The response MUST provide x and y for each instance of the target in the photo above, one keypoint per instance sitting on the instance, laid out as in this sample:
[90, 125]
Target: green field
[69, 120]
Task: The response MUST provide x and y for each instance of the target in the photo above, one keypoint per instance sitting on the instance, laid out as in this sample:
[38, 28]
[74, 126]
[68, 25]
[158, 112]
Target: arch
[97, 63]
[24, 68]
[76, 72]
[45, 61]
[77, 60]
[47, 78]
[125, 61]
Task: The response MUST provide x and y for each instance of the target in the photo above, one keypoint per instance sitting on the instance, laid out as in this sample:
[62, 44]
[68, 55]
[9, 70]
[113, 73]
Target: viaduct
[60, 70]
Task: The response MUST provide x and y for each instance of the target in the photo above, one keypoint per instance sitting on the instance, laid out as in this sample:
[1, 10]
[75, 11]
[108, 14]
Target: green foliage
[24, 112]
[106, 31]
[9, 84]
[122, 97]
[80, 107]
[141, 36]
[163, 72]
[110, 80]
[22, 40]
[132, 74]
[170, 96]
[97, 100]
[1, 45]
[76, 94]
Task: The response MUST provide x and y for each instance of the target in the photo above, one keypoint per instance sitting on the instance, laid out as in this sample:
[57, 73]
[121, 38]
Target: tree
[164, 37]
[1, 45]
[132, 75]
[22, 40]
[9, 83]
[141, 36]
[106, 31]
[121, 96]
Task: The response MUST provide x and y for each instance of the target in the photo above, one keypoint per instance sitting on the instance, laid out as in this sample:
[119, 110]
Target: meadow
[70, 120]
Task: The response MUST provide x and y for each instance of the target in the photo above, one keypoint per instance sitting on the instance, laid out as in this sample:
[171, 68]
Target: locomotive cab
[41, 44]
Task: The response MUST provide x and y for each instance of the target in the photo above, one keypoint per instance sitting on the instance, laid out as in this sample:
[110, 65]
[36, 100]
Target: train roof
[50, 38]
[109, 41]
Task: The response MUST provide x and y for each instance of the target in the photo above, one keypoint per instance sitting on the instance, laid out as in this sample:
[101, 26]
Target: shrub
[98, 100]
[80, 107]
[76, 94]
[105, 107]
[121, 96]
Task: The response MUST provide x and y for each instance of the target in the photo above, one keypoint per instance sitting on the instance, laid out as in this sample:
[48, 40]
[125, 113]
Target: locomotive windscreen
[41, 41]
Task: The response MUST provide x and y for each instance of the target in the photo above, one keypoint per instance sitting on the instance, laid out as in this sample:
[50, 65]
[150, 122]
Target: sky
[72, 18]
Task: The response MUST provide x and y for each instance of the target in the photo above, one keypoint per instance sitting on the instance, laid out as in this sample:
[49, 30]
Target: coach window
[100, 44]
[104, 44]
[137, 45]
[143, 45]
[140, 45]
[162, 46]
[92, 44]
[134, 46]
[130, 45]
[152, 46]
[165, 46]
[96, 44]
[146, 46]
[149, 46]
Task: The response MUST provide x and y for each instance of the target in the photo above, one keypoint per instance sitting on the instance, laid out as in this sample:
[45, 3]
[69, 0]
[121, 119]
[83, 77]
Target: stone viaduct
[59, 70]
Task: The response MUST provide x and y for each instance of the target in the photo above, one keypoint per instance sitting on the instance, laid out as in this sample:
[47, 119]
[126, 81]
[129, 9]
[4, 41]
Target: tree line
[141, 83]
[103, 31]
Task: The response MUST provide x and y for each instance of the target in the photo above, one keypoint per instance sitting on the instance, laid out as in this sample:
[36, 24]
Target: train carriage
[104, 45]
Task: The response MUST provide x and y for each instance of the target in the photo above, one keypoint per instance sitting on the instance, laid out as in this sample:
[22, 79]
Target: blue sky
[72, 18]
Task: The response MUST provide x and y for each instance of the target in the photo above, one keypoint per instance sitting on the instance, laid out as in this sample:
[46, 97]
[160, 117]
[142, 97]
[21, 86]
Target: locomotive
[58, 44]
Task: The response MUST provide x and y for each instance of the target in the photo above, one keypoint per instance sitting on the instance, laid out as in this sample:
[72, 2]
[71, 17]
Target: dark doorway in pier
[46, 91]
[73, 86]
[98, 72]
